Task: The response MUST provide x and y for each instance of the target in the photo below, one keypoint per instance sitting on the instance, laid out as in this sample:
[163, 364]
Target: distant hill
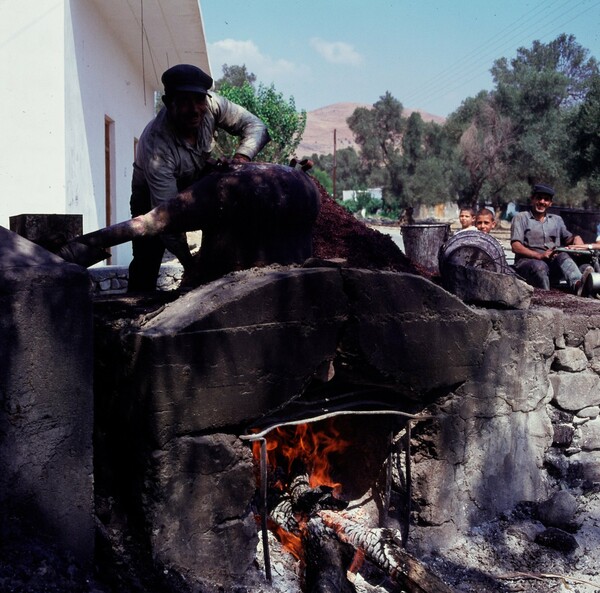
[320, 124]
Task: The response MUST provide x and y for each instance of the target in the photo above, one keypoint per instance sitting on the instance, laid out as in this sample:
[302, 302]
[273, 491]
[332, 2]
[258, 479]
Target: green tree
[350, 174]
[284, 122]
[586, 159]
[378, 132]
[413, 148]
[235, 76]
[428, 164]
[431, 181]
[414, 161]
[538, 90]
[551, 75]
[485, 151]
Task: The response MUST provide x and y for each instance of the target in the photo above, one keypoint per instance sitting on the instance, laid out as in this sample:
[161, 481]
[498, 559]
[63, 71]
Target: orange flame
[307, 445]
[290, 542]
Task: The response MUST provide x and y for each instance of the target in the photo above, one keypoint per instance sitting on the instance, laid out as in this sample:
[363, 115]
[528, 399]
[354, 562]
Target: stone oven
[504, 431]
[487, 391]
[256, 349]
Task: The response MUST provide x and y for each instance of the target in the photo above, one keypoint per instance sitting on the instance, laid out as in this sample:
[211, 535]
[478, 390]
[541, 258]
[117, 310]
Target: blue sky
[429, 54]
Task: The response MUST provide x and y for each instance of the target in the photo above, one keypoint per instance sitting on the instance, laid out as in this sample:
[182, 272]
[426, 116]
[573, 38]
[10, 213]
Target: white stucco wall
[63, 73]
[65, 65]
[101, 80]
[32, 172]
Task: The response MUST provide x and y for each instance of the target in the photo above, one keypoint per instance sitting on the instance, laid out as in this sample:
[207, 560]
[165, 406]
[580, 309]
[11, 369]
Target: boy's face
[485, 223]
[465, 218]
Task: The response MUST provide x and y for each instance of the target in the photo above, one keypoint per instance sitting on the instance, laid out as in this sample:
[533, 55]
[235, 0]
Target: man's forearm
[574, 240]
[519, 249]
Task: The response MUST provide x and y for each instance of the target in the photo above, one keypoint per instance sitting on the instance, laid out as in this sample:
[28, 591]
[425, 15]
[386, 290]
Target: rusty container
[423, 241]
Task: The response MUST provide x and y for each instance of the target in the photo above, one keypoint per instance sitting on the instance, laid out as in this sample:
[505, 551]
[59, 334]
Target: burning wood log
[310, 500]
[383, 547]
[301, 499]
[327, 559]
[283, 515]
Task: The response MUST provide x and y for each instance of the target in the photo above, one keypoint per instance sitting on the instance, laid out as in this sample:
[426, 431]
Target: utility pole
[334, 158]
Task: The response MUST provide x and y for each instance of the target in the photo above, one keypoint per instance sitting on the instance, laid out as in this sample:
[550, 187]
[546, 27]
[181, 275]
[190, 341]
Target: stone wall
[46, 396]
[110, 280]
[525, 426]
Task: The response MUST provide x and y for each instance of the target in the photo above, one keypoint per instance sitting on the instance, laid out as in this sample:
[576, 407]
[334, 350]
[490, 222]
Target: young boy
[485, 220]
[466, 217]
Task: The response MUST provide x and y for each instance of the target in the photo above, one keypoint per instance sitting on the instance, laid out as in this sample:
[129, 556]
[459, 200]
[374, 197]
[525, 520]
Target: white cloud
[267, 70]
[336, 52]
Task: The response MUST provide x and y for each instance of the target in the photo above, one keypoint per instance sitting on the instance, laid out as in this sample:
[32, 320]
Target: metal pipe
[263, 510]
[408, 486]
[259, 435]
[388, 476]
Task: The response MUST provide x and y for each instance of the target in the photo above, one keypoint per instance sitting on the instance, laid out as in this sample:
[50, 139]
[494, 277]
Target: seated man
[535, 234]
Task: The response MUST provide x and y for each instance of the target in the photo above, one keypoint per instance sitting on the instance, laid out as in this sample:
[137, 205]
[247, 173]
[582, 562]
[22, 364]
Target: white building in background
[78, 83]
[352, 194]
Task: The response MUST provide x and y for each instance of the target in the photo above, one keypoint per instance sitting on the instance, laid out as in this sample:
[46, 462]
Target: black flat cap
[188, 78]
[542, 188]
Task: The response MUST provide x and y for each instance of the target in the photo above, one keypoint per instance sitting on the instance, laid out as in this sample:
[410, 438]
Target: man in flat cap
[535, 234]
[172, 153]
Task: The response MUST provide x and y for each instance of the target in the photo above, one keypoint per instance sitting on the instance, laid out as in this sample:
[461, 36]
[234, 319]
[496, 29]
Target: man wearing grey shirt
[172, 153]
[534, 236]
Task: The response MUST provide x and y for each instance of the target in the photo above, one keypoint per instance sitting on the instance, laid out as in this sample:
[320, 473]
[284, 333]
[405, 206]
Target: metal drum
[474, 249]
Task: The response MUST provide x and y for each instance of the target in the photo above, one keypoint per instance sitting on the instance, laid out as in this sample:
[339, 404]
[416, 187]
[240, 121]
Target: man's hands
[520, 249]
[240, 158]
[548, 254]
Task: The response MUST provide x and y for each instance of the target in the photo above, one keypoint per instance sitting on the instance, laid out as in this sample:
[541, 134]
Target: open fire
[325, 490]
[303, 445]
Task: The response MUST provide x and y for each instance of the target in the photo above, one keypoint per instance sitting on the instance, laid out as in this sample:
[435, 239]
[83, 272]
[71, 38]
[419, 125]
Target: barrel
[474, 249]
[422, 243]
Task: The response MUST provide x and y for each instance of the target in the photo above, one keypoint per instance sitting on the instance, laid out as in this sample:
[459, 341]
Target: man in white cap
[172, 153]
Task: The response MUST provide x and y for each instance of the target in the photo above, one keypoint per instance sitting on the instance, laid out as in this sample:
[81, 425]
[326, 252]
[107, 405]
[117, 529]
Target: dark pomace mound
[338, 234]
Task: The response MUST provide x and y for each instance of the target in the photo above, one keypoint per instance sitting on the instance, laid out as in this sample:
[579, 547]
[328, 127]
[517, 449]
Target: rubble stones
[563, 435]
[557, 464]
[574, 391]
[570, 359]
[559, 511]
[585, 466]
[557, 539]
[591, 412]
[590, 435]
[592, 344]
